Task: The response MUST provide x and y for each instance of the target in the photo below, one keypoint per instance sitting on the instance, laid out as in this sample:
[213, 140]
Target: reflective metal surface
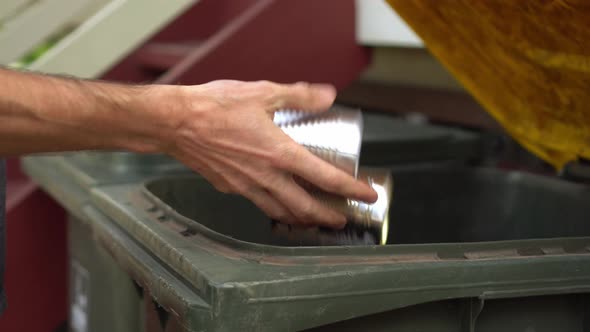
[372, 217]
[367, 223]
[335, 136]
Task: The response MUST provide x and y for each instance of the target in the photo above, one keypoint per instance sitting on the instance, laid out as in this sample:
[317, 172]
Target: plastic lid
[526, 62]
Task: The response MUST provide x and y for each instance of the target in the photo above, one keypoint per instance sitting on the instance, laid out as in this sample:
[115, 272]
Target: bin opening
[437, 205]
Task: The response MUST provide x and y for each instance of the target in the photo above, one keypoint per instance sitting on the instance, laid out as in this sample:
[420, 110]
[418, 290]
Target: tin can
[335, 135]
[367, 223]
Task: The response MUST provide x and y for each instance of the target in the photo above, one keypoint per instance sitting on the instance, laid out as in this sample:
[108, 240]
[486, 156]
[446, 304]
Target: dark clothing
[2, 232]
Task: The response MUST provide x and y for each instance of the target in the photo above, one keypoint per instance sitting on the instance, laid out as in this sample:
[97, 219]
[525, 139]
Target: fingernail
[370, 195]
[326, 91]
[340, 225]
[339, 222]
[374, 196]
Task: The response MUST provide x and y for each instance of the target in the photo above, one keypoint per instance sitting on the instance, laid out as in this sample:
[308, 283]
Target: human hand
[224, 130]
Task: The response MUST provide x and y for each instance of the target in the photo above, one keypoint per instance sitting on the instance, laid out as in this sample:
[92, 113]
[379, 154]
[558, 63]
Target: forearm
[223, 130]
[44, 114]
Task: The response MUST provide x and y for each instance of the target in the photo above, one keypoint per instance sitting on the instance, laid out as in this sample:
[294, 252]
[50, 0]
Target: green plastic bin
[465, 244]
[471, 249]
[102, 297]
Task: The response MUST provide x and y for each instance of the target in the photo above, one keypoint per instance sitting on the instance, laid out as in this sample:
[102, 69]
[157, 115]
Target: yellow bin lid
[526, 62]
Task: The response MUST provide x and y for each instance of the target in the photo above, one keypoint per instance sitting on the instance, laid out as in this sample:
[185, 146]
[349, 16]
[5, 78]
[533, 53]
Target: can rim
[385, 225]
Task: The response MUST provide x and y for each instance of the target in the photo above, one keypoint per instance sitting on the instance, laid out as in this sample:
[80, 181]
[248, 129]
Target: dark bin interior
[388, 140]
[429, 206]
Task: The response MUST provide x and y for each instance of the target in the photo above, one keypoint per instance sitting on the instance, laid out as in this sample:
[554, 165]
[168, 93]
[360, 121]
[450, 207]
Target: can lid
[385, 229]
[526, 62]
[377, 214]
[387, 193]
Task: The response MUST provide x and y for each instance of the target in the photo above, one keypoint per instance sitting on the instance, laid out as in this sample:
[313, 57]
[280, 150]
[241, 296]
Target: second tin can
[367, 223]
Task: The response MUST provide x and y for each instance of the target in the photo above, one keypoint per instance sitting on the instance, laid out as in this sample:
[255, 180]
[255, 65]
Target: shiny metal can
[367, 223]
[335, 135]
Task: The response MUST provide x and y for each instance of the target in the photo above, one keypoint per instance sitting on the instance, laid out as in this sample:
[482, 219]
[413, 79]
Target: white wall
[377, 24]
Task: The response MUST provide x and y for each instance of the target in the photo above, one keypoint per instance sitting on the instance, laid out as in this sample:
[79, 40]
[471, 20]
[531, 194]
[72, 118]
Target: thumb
[304, 97]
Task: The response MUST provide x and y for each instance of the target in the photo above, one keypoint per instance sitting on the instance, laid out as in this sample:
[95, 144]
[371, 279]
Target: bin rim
[390, 252]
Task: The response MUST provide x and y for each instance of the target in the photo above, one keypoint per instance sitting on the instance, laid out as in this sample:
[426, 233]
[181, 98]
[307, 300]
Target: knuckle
[285, 156]
[332, 180]
[306, 212]
[266, 87]
[237, 186]
[302, 85]
[272, 182]
[221, 86]
[241, 188]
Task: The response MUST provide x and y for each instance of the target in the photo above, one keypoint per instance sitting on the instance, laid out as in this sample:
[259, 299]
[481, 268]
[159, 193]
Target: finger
[327, 177]
[271, 206]
[303, 96]
[217, 180]
[306, 209]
